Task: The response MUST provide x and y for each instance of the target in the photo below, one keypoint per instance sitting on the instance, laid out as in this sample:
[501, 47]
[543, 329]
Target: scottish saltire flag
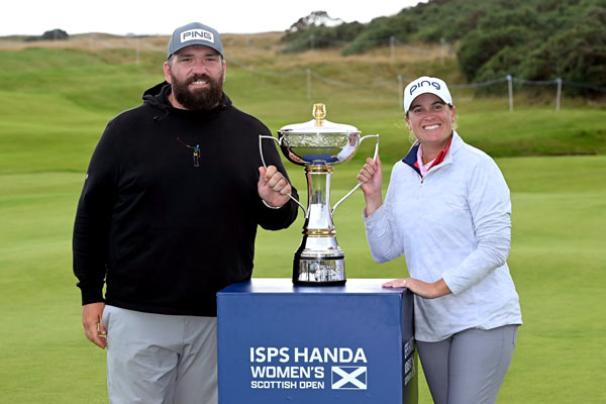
[349, 378]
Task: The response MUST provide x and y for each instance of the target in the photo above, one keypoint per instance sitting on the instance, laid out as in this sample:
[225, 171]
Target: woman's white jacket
[455, 224]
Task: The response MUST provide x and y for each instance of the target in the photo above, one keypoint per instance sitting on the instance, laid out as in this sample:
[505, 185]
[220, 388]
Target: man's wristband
[269, 206]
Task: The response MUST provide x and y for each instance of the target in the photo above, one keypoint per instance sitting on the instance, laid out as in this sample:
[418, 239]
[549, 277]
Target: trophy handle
[359, 184]
[261, 137]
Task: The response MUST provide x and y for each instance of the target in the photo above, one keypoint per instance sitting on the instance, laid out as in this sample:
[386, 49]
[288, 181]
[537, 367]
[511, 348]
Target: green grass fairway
[557, 261]
[55, 103]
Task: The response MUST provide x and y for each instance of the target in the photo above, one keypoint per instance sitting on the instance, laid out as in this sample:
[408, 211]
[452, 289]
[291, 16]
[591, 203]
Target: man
[167, 217]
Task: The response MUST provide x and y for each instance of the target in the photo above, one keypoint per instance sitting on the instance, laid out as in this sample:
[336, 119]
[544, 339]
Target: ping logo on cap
[194, 34]
[422, 83]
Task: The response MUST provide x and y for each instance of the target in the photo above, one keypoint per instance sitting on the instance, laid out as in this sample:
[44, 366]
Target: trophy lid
[318, 141]
[318, 125]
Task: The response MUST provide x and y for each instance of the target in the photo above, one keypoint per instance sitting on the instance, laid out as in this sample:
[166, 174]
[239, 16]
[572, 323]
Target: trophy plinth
[318, 145]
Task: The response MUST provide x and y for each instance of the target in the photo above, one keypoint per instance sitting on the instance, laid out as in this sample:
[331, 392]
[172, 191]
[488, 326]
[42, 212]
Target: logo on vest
[194, 34]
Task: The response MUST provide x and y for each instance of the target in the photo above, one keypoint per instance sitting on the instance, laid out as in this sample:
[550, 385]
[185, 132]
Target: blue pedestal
[352, 344]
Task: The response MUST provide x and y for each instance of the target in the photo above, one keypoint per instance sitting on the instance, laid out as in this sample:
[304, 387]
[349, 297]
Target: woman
[448, 211]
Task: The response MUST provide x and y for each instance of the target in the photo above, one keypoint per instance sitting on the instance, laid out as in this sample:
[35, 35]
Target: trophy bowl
[318, 145]
[318, 142]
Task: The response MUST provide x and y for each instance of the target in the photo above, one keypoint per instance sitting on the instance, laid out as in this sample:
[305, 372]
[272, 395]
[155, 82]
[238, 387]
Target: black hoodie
[165, 229]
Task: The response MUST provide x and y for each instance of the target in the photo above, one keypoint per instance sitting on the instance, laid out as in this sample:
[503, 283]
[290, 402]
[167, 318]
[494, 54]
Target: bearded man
[168, 216]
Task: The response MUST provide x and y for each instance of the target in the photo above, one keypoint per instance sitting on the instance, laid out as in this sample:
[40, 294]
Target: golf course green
[55, 103]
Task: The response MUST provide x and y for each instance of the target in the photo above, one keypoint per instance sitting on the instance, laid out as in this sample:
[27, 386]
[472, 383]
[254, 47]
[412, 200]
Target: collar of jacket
[411, 157]
[157, 97]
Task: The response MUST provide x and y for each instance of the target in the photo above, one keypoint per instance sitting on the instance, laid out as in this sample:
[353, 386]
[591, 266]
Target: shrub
[479, 47]
[54, 35]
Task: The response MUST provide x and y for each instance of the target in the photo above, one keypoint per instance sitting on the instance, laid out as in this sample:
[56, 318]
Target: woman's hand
[426, 290]
[371, 178]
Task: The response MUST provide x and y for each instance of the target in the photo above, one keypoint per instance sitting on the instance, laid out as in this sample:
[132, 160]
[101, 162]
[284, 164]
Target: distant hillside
[58, 96]
[533, 39]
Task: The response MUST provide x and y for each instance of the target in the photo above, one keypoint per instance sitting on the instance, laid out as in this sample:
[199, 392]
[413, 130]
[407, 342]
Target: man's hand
[94, 330]
[273, 187]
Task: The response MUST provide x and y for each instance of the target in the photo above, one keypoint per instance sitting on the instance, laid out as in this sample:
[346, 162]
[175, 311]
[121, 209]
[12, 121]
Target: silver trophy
[318, 145]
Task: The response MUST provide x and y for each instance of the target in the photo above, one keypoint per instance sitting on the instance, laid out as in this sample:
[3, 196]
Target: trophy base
[319, 284]
[318, 270]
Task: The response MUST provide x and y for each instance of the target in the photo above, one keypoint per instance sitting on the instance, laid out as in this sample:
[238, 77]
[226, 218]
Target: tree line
[534, 39]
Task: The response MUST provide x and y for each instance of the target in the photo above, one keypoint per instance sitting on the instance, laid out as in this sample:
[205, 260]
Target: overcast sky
[23, 17]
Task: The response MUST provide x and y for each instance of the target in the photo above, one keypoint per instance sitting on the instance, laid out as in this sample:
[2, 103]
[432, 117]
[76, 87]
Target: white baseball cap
[426, 85]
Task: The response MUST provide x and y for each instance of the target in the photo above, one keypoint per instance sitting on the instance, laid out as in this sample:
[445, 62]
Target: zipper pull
[197, 156]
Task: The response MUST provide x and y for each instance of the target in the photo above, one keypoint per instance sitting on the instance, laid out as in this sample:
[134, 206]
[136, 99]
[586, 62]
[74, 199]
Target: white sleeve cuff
[269, 206]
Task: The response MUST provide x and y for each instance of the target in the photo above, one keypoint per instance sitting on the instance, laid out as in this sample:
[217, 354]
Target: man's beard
[203, 99]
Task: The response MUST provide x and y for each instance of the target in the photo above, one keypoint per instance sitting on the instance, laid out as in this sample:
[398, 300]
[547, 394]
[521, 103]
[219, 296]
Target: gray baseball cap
[194, 33]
